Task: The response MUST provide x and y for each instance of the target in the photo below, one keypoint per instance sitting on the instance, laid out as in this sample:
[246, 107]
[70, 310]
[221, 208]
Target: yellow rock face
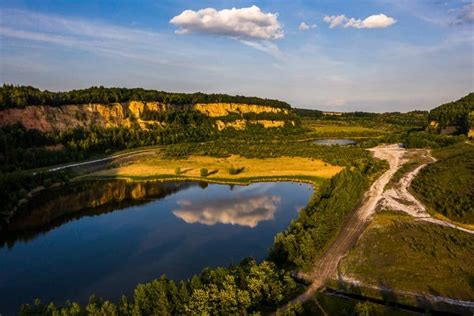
[66, 117]
[434, 124]
[223, 109]
[268, 123]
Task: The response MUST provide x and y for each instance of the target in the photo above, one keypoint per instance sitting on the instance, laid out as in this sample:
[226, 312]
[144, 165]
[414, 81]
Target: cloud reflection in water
[242, 210]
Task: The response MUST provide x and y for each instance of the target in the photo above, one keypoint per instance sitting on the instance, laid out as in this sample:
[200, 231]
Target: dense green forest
[237, 290]
[21, 96]
[457, 113]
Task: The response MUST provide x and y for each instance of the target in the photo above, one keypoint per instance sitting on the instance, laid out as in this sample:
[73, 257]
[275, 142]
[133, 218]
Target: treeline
[269, 148]
[22, 148]
[239, 290]
[321, 220]
[12, 96]
[455, 113]
[413, 119]
[414, 139]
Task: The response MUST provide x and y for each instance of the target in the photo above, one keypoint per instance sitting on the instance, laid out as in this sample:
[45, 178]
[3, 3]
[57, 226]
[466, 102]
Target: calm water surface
[106, 237]
[335, 141]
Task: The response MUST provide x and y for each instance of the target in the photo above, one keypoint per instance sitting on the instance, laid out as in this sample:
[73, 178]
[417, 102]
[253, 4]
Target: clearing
[218, 169]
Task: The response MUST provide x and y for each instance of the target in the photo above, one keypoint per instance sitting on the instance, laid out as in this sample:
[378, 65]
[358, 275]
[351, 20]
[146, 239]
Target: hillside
[454, 117]
[117, 107]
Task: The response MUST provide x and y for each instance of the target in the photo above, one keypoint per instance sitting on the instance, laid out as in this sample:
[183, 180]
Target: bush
[204, 172]
[235, 170]
[177, 170]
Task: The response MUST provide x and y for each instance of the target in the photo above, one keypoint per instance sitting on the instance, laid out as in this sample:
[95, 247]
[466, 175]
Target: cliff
[66, 117]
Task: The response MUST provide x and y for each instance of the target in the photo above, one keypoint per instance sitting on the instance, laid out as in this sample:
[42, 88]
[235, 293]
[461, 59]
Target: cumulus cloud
[376, 21]
[303, 26]
[245, 23]
[334, 20]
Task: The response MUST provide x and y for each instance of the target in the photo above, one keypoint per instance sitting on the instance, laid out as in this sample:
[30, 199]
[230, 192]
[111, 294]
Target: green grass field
[401, 253]
[447, 186]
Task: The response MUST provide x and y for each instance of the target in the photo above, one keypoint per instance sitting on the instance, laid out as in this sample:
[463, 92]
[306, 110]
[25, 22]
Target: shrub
[235, 170]
[177, 170]
[204, 172]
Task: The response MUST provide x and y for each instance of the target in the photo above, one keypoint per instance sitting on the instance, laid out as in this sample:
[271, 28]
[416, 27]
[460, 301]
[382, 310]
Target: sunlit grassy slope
[400, 253]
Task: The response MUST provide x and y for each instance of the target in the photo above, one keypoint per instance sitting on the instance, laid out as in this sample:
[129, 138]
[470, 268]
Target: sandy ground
[399, 198]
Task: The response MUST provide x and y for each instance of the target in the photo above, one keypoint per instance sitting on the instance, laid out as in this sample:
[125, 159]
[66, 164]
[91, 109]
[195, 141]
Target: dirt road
[89, 162]
[397, 198]
[325, 267]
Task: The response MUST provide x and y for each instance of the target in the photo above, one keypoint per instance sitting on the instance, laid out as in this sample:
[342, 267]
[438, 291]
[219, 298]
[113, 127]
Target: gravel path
[325, 267]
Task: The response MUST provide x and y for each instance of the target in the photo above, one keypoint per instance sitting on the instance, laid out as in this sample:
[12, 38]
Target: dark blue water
[106, 237]
[335, 141]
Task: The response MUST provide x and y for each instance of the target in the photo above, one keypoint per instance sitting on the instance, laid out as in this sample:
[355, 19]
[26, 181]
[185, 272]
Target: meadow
[397, 252]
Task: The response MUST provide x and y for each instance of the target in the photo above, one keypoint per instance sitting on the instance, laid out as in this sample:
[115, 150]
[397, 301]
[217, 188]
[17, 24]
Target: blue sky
[385, 55]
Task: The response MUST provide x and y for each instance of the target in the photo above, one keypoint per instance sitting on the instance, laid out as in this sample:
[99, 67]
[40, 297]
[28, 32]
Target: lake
[105, 237]
[335, 141]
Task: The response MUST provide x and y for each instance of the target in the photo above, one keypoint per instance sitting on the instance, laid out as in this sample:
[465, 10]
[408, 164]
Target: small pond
[335, 141]
[105, 237]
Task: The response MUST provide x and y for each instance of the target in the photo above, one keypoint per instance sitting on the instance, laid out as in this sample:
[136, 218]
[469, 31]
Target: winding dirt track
[326, 266]
[399, 198]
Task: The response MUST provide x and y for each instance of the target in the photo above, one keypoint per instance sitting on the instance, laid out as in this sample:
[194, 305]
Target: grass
[401, 253]
[446, 186]
[339, 129]
[249, 168]
[337, 305]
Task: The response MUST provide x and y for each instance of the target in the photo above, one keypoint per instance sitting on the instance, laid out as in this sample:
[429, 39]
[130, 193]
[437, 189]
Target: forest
[458, 113]
[238, 290]
[12, 96]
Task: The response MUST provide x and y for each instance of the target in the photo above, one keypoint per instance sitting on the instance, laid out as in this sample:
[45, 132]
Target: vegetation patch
[397, 252]
[446, 186]
[228, 167]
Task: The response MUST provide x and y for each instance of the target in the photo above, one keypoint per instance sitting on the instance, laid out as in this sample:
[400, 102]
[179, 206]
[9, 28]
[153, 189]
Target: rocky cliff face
[52, 119]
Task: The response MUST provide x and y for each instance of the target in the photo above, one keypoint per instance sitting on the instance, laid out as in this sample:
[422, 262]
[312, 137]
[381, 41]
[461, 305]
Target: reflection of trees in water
[243, 210]
[55, 207]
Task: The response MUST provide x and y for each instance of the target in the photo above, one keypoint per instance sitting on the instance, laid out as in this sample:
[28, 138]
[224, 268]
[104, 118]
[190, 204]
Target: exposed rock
[63, 118]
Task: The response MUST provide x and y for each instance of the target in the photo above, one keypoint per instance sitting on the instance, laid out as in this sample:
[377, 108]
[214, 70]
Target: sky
[333, 55]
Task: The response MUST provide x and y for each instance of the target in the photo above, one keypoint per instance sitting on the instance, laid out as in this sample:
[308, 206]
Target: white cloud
[303, 26]
[245, 23]
[266, 47]
[376, 21]
[335, 21]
